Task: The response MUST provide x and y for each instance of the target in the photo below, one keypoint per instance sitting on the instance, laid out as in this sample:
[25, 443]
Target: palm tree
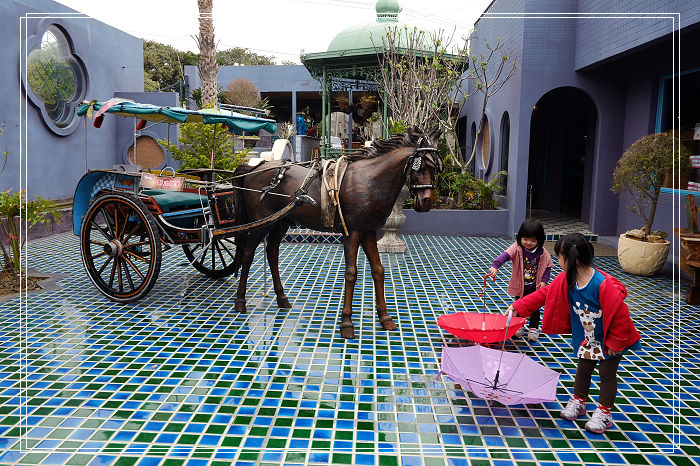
[207, 50]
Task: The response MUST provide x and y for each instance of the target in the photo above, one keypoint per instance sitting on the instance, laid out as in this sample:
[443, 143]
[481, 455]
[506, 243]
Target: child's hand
[612, 352]
[511, 308]
[541, 285]
[492, 272]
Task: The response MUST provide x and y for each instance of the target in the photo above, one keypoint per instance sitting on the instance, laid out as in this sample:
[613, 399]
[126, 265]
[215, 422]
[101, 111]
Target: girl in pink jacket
[532, 265]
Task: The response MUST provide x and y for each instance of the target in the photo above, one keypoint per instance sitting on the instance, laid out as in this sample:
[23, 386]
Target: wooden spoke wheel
[215, 260]
[121, 247]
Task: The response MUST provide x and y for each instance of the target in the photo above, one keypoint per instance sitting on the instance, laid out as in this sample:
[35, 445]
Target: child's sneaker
[574, 408]
[533, 334]
[520, 332]
[600, 421]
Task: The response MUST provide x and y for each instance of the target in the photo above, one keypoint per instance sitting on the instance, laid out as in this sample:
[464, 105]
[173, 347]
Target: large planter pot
[641, 258]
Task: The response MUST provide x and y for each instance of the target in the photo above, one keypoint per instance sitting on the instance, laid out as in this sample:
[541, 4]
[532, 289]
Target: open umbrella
[514, 379]
[481, 327]
[509, 378]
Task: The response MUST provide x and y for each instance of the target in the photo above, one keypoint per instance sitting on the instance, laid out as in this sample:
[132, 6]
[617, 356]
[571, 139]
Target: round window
[55, 76]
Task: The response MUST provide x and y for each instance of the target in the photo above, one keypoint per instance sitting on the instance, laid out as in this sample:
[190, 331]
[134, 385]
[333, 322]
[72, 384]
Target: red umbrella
[481, 327]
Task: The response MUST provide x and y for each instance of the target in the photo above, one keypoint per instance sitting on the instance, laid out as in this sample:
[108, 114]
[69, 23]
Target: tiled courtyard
[181, 378]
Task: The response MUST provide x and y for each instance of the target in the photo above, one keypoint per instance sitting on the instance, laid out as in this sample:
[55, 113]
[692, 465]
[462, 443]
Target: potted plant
[640, 172]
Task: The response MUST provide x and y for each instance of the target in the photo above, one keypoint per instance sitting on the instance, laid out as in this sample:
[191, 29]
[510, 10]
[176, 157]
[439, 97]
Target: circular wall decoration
[55, 78]
[149, 154]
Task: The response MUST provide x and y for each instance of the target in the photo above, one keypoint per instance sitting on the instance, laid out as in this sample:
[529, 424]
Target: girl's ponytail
[578, 251]
[571, 259]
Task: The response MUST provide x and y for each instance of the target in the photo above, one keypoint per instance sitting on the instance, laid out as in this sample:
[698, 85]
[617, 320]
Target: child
[531, 268]
[588, 304]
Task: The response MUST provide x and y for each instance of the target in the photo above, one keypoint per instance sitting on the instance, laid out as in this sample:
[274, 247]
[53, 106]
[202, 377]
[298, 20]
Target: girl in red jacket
[590, 305]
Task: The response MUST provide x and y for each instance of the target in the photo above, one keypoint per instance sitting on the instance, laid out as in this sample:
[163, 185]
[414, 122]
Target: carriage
[126, 219]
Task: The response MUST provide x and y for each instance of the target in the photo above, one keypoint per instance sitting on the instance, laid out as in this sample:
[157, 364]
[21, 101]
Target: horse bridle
[421, 156]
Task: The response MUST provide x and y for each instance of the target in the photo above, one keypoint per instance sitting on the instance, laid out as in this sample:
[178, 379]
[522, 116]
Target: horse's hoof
[347, 331]
[388, 323]
[240, 305]
[283, 303]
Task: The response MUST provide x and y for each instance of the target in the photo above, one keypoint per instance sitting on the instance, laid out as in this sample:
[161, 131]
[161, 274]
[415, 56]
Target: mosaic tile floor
[180, 378]
[556, 225]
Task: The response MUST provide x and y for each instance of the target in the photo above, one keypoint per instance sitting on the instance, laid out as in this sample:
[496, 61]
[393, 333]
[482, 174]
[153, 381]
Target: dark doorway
[562, 140]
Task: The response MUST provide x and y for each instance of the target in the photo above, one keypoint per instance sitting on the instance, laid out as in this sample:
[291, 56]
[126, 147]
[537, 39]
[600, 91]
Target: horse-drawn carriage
[126, 219]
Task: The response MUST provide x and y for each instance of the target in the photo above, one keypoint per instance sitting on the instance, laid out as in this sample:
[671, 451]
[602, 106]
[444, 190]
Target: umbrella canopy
[509, 378]
[234, 121]
[481, 327]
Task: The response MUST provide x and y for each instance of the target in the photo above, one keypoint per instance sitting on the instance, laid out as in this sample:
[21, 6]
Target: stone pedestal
[391, 242]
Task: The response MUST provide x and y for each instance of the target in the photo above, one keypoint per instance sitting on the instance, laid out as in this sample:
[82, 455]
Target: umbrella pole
[503, 347]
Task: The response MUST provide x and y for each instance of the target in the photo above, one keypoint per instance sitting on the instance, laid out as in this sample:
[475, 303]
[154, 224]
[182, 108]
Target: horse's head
[422, 169]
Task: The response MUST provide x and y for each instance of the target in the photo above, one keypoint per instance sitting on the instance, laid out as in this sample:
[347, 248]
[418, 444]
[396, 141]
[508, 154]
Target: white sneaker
[599, 422]
[520, 332]
[533, 334]
[574, 408]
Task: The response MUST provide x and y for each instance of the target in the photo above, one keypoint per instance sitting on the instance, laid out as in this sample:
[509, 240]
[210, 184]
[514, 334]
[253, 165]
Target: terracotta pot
[640, 257]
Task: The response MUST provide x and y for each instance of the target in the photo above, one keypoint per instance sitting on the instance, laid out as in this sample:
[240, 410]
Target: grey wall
[114, 62]
[268, 78]
[598, 40]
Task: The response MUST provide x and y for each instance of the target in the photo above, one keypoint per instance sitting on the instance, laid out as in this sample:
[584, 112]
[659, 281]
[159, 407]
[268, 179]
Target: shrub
[13, 206]
[196, 145]
[641, 171]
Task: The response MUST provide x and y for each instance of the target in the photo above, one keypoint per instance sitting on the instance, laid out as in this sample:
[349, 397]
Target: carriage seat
[176, 200]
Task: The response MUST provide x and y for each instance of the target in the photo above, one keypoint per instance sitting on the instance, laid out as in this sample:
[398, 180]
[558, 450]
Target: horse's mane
[383, 146]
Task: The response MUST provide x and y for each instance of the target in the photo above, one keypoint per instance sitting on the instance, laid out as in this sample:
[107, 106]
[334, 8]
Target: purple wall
[622, 86]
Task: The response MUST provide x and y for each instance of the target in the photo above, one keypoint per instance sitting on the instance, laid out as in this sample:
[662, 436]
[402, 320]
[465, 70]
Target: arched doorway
[562, 140]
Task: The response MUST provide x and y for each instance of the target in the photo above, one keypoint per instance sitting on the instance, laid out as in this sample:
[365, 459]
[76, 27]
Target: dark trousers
[535, 316]
[608, 379]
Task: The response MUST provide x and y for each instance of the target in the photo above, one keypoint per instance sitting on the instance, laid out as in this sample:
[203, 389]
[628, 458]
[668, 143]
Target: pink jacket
[516, 287]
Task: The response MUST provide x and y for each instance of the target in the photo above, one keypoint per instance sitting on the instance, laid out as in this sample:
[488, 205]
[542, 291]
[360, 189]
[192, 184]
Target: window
[472, 166]
[689, 110]
[485, 144]
[505, 142]
[56, 78]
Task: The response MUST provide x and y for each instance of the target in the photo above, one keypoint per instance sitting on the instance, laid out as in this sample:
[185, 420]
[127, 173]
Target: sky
[279, 28]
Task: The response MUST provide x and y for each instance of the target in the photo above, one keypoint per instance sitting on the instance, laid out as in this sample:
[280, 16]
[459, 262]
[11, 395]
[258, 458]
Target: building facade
[592, 76]
[62, 57]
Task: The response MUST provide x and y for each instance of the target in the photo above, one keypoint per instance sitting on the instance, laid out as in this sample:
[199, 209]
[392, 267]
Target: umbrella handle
[484, 287]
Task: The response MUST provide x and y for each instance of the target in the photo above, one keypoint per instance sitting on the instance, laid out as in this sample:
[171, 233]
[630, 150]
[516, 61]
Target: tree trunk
[652, 211]
[207, 49]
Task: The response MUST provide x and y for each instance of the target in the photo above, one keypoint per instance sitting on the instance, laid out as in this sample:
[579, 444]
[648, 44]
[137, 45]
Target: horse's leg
[350, 245]
[251, 243]
[369, 245]
[274, 238]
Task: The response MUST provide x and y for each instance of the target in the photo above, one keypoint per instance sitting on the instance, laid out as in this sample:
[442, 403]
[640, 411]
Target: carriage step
[310, 236]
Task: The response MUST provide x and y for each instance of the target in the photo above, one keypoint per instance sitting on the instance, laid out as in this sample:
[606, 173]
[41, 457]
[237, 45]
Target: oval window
[55, 76]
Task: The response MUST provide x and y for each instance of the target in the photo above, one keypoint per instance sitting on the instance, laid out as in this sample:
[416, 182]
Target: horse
[373, 180]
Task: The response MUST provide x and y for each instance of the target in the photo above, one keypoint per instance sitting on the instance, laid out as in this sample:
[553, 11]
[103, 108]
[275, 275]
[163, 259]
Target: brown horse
[371, 185]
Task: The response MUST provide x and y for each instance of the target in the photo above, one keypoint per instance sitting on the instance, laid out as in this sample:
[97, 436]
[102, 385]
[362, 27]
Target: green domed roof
[365, 36]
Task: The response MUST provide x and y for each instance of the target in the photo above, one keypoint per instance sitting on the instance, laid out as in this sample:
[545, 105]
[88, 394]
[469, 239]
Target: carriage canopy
[235, 121]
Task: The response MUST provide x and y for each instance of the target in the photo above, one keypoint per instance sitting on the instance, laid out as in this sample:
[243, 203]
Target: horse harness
[422, 155]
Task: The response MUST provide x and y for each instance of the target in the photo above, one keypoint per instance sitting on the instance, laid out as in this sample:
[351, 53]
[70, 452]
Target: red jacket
[618, 330]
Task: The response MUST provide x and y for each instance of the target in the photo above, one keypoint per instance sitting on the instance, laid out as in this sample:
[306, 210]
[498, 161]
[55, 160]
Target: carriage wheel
[121, 247]
[215, 260]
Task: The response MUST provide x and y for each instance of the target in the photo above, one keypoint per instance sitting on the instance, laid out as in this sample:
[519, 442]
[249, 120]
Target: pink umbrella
[509, 378]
